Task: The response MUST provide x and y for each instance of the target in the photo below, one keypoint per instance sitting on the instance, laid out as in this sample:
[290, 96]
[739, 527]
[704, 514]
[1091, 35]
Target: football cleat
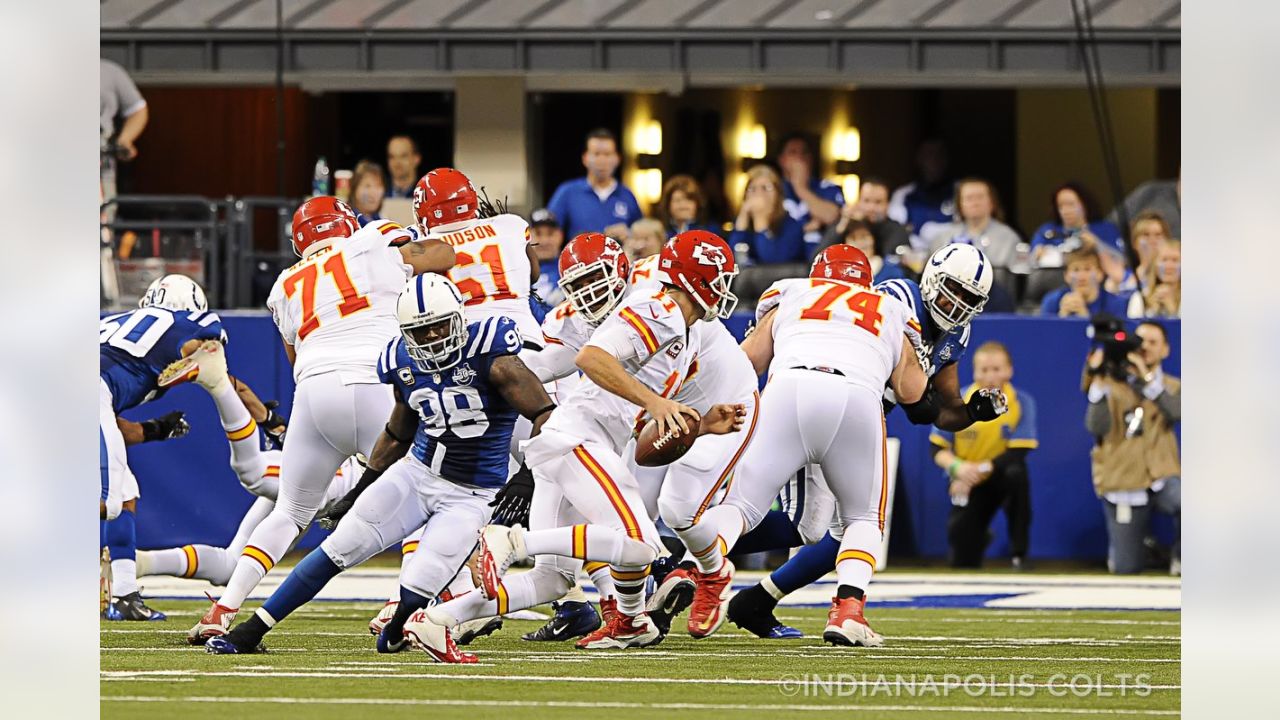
[388, 645]
[132, 607]
[672, 596]
[752, 610]
[847, 626]
[478, 628]
[608, 609]
[215, 623]
[434, 640]
[206, 367]
[499, 547]
[625, 631]
[383, 617]
[571, 620]
[224, 646]
[710, 600]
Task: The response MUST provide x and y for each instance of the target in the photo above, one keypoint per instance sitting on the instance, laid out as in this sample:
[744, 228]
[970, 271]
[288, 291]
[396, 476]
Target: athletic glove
[512, 501]
[331, 518]
[165, 427]
[273, 424]
[987, 404]
[925, 411]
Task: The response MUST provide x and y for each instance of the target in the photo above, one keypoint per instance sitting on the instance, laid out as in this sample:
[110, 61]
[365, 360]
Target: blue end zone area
[190, 494]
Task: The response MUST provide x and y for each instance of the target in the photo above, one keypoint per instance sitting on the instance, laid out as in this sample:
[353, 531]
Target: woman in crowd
[1073, 227]
[1163, 297]
[763, 226]
[683, 206]
[368, 188]
[646, 238]
[858, 234]
[1147, 233]
[978, 223]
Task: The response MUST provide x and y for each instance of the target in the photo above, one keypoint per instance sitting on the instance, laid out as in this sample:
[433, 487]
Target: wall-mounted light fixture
[752, 146]
[649, 184]
[849, 184]
[647, 141]
[848, 149]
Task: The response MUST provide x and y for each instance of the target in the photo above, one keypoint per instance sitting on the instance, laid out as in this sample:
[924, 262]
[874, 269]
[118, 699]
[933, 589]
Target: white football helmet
[432, 321]
[955, 285]
[175, 292]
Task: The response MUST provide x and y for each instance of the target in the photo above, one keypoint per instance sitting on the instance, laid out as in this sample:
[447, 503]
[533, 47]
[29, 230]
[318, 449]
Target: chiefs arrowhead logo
[708, 254]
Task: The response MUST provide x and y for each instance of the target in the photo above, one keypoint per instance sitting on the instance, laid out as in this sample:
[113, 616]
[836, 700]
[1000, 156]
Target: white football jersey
[835, 326]
[337, 307]
[492, 269]
[648, 333]
[722, 372]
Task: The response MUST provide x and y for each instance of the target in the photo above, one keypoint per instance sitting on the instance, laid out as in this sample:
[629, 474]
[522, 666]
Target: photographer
[1133, 408]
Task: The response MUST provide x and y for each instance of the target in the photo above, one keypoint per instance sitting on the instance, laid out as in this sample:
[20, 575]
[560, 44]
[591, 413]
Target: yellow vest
[983, 441]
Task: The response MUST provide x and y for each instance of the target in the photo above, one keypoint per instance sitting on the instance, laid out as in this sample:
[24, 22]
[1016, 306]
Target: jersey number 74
[865, 306]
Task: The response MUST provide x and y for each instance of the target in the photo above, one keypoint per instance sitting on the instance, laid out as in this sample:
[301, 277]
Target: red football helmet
[701, 264]
[594, 272]
[842, 262]
[443, 196]
[322, 219]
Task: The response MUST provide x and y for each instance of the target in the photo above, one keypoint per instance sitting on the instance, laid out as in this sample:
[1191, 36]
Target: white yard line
[594, 704]
[788, 681]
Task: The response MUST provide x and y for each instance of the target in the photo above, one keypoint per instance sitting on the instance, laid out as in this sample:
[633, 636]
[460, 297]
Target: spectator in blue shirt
[683, 206]
[763, 225]
[1071, 228]
[547, 239]
[930, 198]
[597, 202]
[813, 202]
[1083, 295]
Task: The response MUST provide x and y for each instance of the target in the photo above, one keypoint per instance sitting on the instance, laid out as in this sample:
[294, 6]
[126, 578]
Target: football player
[134, 349]
[831, 344]
[952, 291]
[633, 364]
[336, 311]
[459, 388]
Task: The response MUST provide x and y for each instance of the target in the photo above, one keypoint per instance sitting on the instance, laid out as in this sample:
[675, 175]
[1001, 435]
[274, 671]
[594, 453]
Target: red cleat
[435, 640]
[847, 626]
[215, 623]
[621, 632]
[608, 610]
[710, 600]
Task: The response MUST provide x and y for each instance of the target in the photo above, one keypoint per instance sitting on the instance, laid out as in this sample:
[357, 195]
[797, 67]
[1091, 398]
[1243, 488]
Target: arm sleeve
[1023, 435]
[552, 362]
[639, 330]
[769, 299]
[618, 341]
[942, 439]
[387, 361]
[1170, 403]
[1049, 306]
[131, 101]
[633, 208]
[1097, 418]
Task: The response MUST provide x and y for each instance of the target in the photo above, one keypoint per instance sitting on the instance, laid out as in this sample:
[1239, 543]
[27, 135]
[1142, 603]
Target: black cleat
[752, 610]
[572, 620]
[474, 629]
[132, 607]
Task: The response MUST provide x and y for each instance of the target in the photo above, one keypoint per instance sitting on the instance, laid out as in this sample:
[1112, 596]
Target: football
[653, 450]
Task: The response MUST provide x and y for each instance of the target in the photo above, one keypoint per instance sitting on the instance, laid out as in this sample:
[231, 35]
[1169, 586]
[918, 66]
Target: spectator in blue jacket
[1083, 295]
[597, 202]
[763, 225]
[1072, 227]
[683, 206]
[809, 199]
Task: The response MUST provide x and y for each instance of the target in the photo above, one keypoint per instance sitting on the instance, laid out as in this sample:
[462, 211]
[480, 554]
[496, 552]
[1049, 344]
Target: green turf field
[952, 663]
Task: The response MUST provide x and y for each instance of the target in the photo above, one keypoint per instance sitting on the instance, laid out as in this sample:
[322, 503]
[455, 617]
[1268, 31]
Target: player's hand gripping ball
[654, 450]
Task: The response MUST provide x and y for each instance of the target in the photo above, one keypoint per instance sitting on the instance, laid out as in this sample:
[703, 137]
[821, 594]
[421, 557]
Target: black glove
[512, 501]
[331, 518]
[165, 427]
[274, 424]
[986, 404]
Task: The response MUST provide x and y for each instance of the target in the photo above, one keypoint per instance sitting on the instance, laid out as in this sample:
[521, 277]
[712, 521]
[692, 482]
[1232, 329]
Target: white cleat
[434, 639]
[499, 547]
[206, 367]
[383, 617]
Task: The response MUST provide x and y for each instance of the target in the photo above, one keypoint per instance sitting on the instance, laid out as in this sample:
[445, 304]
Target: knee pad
[678, 515]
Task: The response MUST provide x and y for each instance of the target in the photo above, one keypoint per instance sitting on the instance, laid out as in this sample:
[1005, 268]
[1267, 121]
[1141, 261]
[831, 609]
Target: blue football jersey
[136, 346]
[944, 348]
[465, 427]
